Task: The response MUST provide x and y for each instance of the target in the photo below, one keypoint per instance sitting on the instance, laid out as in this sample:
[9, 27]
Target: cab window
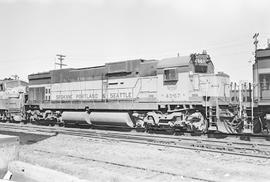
[2, 87]
[201, 68]
[170, 75]
[265, 81]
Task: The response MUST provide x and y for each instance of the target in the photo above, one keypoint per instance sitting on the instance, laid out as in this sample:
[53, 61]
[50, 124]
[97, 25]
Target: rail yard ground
[95, 159]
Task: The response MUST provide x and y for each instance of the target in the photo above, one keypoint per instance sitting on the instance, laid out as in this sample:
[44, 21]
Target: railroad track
[223, 146]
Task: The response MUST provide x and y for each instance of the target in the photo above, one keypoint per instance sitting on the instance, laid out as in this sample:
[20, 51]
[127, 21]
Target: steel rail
[170, 137]
[247, 149]
[196, 145]
[201, 136]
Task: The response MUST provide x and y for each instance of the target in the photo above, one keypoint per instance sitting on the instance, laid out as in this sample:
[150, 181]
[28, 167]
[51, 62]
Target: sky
[94, 32]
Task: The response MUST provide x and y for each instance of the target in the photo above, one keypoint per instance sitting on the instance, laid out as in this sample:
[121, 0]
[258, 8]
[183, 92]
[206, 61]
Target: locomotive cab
[188, 83]
[12, 101]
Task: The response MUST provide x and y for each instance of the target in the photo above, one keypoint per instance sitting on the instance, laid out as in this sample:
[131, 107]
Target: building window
[170, 75]
[265, 81]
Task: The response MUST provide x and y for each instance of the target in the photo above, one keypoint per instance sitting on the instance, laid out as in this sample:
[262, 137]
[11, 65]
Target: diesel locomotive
[13, 96]
[179, 93]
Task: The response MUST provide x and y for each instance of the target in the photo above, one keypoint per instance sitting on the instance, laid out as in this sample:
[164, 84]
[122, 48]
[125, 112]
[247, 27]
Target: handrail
[92, 89]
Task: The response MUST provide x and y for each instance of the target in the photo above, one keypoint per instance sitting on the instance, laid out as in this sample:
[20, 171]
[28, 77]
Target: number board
[201, 59]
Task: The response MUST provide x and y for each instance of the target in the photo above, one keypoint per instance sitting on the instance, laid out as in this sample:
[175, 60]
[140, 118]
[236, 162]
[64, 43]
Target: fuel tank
[113, 119]
[80, 118]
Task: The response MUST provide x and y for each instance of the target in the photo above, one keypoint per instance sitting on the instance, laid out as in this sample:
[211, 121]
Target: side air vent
[119, 67]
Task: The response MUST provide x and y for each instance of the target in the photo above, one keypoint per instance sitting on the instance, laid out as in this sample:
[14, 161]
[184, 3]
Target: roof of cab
[179, 61]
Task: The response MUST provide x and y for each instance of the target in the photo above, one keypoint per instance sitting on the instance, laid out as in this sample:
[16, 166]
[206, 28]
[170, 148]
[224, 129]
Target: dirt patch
[105, 160]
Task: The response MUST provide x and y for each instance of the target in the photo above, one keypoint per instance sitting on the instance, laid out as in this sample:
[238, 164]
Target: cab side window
[170, 75]
[2, 87]
[201, 68]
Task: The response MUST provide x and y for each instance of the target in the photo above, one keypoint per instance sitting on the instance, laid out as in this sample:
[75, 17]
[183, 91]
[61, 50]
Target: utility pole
[255, 37]
[61, 58]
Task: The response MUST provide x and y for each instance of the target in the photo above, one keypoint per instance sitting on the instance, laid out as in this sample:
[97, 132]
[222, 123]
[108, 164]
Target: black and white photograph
[134, 90]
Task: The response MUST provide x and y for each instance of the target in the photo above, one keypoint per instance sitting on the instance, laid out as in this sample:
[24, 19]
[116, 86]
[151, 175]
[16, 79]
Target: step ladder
[212, 118]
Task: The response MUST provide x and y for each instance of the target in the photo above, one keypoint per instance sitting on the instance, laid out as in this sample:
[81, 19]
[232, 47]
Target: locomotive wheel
[61, 124]
[205, 127]
[171, 131]
[67, 125]
[198, 123]
[149, 126]
[257, 125]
